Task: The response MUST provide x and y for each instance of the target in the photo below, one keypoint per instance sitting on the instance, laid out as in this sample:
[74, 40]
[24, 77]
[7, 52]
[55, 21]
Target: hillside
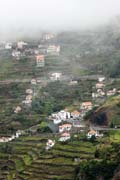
[107, 114]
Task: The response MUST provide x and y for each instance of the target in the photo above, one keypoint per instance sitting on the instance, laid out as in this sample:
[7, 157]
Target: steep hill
[107, 114]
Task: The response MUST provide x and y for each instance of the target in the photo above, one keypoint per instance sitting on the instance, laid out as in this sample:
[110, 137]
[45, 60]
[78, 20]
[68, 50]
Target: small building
[101, 79]
[54, 115]
[16, 54]
[40, 60]
[8, 46]
[64, 115]
[50, 143]
[64, 137]
[100, 86]
[78, 124]
[95, 95]
[27, 102]
[86, 105]
[53, 50]
[75, 114]
[55, 76]
[18, 133]
[21, 44]
[65, 127]
[29, 91]
[33, 81]
[93, 133]
[29, 97]
[111, 92]
[17, 109]
[72, 83]
[57, 121]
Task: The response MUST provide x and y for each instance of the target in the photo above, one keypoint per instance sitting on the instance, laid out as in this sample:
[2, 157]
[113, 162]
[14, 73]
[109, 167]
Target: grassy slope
[27, 159]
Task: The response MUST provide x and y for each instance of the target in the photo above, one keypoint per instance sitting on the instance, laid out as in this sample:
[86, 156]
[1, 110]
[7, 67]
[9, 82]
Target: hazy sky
[56, 13]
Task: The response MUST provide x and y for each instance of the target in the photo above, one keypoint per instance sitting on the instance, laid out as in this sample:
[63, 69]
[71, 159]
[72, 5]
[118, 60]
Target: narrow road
[98, 128]
[8, 81]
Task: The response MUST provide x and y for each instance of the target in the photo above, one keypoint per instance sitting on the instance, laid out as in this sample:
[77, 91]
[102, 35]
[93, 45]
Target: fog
[27, 15]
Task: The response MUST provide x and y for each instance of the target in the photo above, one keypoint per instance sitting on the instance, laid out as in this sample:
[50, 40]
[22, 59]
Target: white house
[53, 50]
[65, 127]
[64, 115]
[33, 81]
[8, 46]
[27, 102]
[16, 54]
[111, 92]
[29, 91]
[18, 133]
[64, 137]
[55, 76]
[17, 109]
[54, 115]
[93, 133]
[57, 121]
[21, 44]
[95, 95]
[29, 97]
[50, 143]
[101, 79]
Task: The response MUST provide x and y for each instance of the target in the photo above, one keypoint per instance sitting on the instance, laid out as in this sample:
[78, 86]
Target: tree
[97, 153]
[93, 138]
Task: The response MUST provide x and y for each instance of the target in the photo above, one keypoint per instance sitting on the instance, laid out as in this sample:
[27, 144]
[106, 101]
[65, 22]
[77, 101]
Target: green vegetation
[26, 158]
[58, 95]
[71, 160]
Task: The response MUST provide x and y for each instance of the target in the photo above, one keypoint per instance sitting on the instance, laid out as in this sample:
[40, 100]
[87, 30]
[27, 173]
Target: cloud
[58, 14]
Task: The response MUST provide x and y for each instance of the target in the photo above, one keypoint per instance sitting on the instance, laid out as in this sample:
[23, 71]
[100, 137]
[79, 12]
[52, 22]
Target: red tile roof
[40, 58]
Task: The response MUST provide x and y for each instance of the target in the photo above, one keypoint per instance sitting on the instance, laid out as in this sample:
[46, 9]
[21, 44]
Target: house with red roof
[40, 60]
[86, 105]
[64, 137]
[100, 86]
[75, 114]
[93, 133]
[50, 143]
[65, 127]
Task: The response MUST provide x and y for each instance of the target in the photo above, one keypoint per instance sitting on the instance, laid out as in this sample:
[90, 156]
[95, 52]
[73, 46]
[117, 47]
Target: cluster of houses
[11, 138]
[100, 89]
[22, 49]
[29, 96]
[27, 101]
[69, 121]
[100, 85]
[48, 50]
[65, 115]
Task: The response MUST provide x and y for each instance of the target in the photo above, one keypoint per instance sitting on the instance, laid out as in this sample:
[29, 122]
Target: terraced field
[28, 160]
